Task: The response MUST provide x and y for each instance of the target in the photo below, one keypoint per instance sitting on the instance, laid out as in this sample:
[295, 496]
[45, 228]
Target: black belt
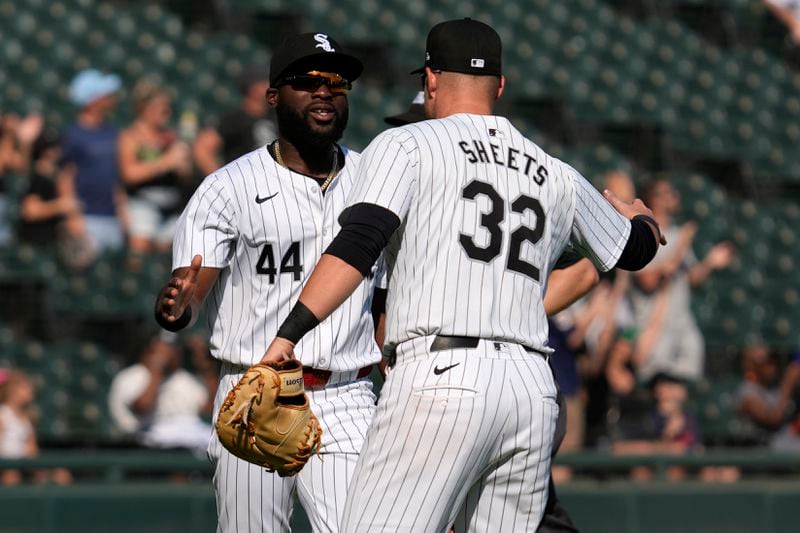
[442, 342]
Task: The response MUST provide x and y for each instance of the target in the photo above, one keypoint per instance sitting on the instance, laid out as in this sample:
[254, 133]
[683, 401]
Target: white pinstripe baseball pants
[467, 447]
[250, 499]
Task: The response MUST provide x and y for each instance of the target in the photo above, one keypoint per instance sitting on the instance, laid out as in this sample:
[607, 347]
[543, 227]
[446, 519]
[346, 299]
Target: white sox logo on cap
[312, 51]
[322, 39]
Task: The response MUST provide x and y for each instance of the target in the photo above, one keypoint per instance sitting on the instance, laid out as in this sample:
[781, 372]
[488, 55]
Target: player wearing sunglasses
[248, 239]
[315, 79]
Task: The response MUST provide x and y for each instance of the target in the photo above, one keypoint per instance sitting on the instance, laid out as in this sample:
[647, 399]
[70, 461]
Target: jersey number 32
[492, 220]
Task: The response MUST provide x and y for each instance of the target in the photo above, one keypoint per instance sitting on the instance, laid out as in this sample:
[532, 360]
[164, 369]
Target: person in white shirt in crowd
[17, 431]
[162, 404]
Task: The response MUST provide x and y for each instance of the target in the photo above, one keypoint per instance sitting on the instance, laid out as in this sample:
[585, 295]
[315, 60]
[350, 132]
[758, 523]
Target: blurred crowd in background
[100, 199]
[94, 190]
[95, 187]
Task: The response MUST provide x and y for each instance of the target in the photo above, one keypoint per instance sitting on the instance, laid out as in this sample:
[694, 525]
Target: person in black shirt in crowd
[16, 141]
[42, 209]
[154, 164]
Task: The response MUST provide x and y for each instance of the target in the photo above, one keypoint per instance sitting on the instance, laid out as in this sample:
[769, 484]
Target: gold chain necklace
[331, 174]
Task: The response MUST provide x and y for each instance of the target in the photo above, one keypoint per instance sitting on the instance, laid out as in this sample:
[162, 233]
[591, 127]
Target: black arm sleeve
[640, 248]
[179, 324]
[299, 322]
[366, 228]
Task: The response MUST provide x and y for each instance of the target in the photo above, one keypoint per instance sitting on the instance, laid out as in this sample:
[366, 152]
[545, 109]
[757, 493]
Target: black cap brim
[421, 69]
[340, 63]
[415, 114]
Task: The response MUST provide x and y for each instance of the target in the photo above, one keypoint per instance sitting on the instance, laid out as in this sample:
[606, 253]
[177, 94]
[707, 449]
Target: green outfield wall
[163, 492]
[758, 507]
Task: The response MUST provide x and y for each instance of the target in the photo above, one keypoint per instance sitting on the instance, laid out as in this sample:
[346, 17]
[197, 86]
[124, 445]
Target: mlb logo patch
[476, 63]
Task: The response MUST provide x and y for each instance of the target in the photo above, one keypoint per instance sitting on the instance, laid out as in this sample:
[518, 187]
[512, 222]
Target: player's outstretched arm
[643, 238]
[636, 209]
[567, 285]
[366, 229]
[179, 301]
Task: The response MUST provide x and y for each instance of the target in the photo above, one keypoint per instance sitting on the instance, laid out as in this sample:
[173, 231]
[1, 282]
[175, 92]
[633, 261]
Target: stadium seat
[601, 65]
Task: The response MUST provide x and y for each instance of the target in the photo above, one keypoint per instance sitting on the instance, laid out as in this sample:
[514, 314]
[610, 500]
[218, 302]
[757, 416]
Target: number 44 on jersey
[290, 263]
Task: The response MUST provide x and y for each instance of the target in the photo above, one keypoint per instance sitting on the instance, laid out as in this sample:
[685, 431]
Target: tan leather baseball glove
[266, 419]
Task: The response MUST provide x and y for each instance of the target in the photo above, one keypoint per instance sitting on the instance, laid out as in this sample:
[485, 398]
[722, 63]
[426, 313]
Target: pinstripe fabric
[225, 224]
[239, 215]
[485, 214]
[470, 446]
[250, 499]
[420, 172]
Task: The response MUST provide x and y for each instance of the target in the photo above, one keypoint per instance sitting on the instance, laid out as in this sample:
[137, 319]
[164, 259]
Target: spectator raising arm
[135, 171]
[772, 414]
[717, 258]
[206, 150]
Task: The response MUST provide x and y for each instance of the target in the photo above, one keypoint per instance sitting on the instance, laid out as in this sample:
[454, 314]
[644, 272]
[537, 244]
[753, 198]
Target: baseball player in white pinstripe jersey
[572, 277]
[245, 244]
[473, 217]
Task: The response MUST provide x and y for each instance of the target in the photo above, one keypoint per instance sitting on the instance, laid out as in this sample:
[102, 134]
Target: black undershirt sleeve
[378, 304]
[640, 248]
[567, 258]
[366, 229]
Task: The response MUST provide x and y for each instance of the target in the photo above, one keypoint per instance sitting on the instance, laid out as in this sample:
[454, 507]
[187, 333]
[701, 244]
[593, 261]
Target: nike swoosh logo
[260, 200]
[438, 371]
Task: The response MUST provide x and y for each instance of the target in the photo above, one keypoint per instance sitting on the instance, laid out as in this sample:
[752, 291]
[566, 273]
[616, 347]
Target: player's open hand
[278, 350]
[176, 296]
[630, 210]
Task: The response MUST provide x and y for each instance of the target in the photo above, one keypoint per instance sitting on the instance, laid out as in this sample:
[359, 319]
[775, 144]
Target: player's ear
[272, 97]
[431, 82]
[501, 88]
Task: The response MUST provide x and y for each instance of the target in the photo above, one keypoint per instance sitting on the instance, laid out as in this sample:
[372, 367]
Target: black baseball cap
[312, 51]
[415, 113]
[466, 46]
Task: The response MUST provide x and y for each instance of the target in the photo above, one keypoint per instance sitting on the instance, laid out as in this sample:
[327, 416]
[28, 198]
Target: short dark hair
[49, 138]
[251, 75]
[649, 188]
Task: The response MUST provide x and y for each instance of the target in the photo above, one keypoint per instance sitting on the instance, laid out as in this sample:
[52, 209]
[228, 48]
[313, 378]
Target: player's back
[489, 214]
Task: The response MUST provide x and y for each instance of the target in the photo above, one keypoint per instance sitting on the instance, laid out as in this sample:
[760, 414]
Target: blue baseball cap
[91, 84]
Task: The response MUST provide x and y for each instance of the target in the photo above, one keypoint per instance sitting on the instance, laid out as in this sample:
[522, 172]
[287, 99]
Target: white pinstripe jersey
[266, 227]
[485, 214]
